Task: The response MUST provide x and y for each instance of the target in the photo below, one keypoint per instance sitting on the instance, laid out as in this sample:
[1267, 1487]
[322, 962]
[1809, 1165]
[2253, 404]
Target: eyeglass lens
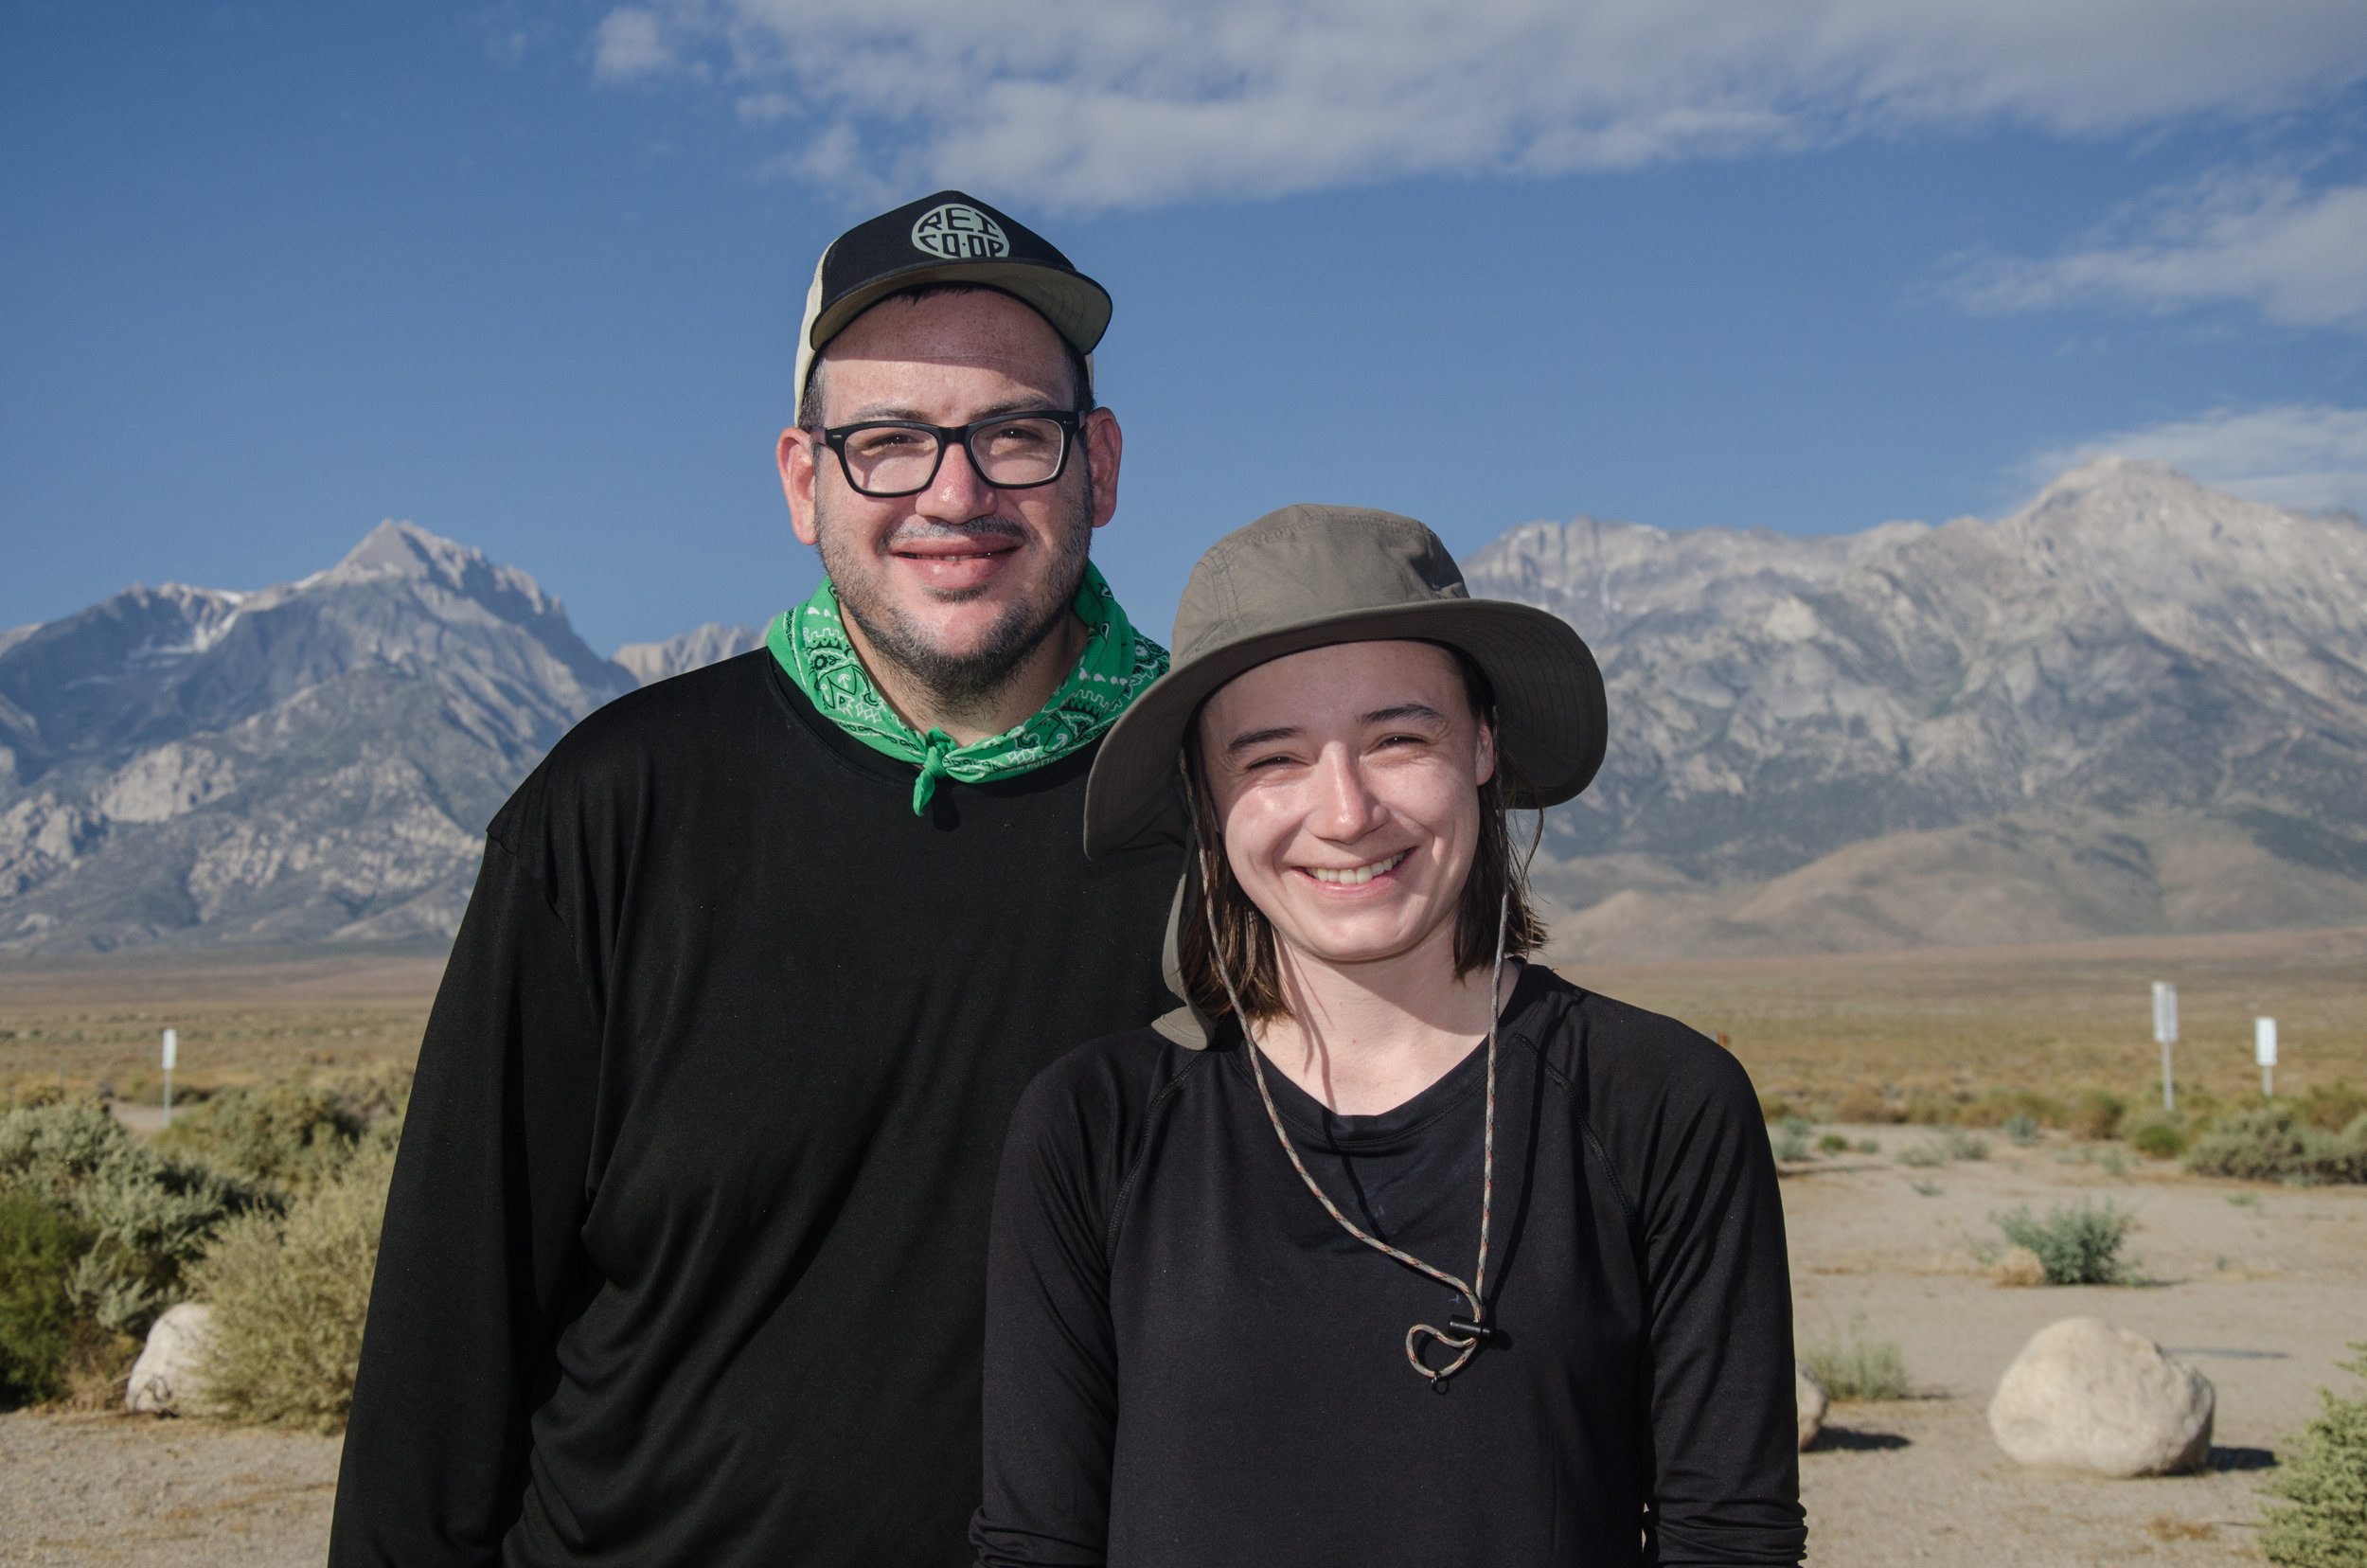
[893, 460]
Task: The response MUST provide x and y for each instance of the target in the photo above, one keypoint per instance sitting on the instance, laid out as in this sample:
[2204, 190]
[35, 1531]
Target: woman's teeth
[1359, 876]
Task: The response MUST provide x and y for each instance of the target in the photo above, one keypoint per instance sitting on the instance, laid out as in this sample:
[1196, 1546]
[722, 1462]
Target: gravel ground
[2259, 1286]
[97, 1489]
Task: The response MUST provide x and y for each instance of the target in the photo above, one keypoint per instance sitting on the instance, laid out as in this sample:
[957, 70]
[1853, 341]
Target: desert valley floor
[2259, 1286]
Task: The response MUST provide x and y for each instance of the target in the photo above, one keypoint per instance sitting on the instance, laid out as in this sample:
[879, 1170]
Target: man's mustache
[975, 530]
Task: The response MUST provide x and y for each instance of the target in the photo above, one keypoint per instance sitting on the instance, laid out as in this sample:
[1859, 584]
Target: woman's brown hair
[1245, 937]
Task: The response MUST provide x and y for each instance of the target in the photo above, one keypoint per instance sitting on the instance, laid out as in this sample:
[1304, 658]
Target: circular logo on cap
[959, 232]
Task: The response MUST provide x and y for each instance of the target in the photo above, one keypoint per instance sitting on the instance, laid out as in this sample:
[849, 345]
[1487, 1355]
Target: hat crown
[1309, 563]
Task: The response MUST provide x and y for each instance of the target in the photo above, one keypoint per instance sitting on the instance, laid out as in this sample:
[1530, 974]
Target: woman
[1239, 1257]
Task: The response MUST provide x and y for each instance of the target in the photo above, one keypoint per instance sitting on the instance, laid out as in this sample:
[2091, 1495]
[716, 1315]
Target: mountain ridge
[2131, 644]
[2134, 705]
[314, 761]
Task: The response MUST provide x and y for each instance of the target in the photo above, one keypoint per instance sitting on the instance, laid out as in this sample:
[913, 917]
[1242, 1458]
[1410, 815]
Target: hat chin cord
[1464, 1336]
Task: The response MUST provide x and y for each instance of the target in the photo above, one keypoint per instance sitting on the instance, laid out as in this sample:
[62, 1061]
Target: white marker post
[2165, 1030]
[172, 1049]
[2264, 1050]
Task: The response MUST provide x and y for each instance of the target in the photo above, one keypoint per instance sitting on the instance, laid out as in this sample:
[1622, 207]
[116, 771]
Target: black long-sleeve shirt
[685, 1258]
[1188, 1363]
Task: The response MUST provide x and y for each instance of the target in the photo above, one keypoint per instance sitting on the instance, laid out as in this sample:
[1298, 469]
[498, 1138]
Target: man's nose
[958, 493]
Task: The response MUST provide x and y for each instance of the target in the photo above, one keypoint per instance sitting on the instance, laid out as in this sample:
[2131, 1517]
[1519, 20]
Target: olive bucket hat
[1309, 576]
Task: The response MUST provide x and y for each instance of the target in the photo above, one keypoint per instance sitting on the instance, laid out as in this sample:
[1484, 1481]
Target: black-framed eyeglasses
[888, 458]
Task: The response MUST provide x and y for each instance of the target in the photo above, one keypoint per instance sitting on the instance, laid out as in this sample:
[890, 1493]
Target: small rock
[165, 1380]
[1809, 1395]
[2019, 1266]
[2084, 1394]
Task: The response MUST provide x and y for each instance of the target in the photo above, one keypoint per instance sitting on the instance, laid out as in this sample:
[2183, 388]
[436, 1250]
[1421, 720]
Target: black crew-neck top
[1190, 1362]
[685, 1258]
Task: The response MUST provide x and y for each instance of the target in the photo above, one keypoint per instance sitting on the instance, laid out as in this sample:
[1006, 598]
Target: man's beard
[975, 677]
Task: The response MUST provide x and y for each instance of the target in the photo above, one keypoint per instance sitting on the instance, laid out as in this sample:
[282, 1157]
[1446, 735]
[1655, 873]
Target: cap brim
[1077, 308]
[1549, 705]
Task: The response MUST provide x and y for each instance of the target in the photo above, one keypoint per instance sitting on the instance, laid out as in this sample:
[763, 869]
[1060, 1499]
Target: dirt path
[2260, 1292]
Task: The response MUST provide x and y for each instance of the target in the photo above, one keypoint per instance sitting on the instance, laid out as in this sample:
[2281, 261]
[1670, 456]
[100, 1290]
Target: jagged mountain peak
[316, 758]
[403, 549]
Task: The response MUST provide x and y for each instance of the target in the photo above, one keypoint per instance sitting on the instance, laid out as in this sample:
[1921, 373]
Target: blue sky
[528, 274]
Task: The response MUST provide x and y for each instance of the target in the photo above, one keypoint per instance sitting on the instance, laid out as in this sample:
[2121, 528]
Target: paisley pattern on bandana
[809, 642]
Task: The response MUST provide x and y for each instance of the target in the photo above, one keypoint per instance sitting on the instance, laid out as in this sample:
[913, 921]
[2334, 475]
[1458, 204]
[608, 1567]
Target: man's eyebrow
[1259, 738]
[1030, 404]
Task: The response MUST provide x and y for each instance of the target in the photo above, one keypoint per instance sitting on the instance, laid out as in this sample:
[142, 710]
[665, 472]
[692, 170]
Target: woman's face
[1347, 779]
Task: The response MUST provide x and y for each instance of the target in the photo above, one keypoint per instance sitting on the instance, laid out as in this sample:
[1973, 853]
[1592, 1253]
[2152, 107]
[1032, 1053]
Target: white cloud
[629, 43]
[2261, 237]
[2310, 457]
[1085, 103]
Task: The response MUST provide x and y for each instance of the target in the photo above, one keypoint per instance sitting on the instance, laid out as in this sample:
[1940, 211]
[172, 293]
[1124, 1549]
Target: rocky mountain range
[2136, 706]
[312, 761]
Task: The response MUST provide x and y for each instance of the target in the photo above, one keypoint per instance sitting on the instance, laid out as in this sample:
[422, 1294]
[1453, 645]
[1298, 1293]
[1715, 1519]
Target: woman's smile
[1355, 876]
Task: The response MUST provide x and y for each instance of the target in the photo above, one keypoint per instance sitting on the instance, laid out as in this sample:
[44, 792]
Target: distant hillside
[2139, 705]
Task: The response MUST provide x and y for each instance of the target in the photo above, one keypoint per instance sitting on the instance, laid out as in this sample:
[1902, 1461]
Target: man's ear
[797, 456]
[1105, 444]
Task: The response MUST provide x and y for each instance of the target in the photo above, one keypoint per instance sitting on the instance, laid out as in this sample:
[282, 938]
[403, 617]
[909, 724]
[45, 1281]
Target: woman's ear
[1483, 764]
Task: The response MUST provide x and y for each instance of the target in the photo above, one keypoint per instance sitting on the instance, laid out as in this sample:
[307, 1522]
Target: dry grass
[1871, 1037]
[244, 1018]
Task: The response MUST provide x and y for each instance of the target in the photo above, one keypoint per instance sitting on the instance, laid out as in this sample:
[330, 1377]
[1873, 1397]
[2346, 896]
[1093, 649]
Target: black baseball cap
[947, 238]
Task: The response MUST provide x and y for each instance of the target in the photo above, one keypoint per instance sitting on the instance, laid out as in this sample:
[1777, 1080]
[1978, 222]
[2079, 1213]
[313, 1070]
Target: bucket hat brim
[1551, 713]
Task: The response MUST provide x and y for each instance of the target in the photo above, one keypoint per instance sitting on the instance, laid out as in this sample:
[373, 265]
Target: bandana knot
[935, 747]
[809, 643]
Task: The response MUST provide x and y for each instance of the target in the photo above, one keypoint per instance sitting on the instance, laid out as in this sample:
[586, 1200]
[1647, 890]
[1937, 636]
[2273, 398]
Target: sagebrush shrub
[2156, 1136]
[2095, 1114]
[2079, 1244]
[290, 1294]
[1854, 1365]
[2331, 1110]
[2022, 1129]
[2271, 1144]
[290, 1135]
[2322, 1478]
[144, 1215]
[38, 1247]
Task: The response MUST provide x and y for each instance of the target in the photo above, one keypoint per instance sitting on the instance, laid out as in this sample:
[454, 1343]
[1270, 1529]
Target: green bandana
[809, 640]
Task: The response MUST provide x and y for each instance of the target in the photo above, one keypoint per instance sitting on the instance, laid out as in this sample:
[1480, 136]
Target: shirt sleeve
[1725, 1485]
[480, 1249]
[1051, 1357]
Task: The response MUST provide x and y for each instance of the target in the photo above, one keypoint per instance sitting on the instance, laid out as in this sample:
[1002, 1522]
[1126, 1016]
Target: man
[684, 1259]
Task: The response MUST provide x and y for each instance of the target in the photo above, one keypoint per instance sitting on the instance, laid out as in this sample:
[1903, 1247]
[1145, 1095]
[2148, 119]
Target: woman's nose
[1347, 807]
